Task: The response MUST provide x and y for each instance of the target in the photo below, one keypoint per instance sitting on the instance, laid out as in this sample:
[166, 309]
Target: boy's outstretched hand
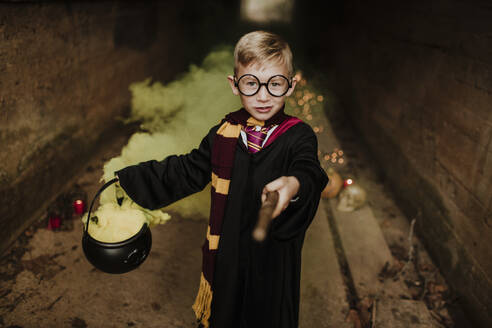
[287, 188]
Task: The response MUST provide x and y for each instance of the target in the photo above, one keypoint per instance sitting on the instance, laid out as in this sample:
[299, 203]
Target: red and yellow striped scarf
[222, 161]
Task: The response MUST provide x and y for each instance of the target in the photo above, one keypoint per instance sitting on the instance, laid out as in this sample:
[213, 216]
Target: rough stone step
[323, 296]
[366, 252]
[403, 314]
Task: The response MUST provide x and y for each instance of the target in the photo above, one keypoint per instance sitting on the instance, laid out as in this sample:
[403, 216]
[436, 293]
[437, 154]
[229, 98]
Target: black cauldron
[119, 257]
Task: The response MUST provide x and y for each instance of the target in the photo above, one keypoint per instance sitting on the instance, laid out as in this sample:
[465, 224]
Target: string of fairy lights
[309, 105]
[303, 103]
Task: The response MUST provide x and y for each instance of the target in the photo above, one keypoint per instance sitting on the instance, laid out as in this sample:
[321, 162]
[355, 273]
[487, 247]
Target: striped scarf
[222, 159]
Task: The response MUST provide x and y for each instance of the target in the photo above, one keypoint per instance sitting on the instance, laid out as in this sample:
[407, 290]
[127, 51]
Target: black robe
[255, 285]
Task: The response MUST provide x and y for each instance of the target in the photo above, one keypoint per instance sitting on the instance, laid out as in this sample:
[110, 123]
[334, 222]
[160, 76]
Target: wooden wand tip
[259, 234]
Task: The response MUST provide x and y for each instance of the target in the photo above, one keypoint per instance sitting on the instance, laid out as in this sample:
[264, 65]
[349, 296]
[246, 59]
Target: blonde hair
[262, 47]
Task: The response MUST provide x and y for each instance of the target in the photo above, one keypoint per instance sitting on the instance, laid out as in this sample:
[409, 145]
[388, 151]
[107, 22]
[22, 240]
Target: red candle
[54, 222]
[78, 206]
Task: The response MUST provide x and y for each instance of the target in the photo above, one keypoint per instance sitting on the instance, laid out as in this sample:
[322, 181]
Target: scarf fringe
[203, 302]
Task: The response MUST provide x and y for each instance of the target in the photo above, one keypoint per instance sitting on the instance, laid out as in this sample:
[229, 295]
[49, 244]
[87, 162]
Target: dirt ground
[45, 280]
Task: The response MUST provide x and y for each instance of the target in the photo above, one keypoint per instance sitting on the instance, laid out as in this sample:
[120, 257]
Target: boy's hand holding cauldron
[287, 188]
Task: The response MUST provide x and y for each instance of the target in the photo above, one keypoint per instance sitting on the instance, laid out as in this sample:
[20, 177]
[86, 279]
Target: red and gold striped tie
[256, 135]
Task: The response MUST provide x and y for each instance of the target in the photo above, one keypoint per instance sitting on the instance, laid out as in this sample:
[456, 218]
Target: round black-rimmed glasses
[249, 85]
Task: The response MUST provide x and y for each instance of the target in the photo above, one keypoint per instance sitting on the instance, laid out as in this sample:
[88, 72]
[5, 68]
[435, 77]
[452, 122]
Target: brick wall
[65, 68]
[416, 79]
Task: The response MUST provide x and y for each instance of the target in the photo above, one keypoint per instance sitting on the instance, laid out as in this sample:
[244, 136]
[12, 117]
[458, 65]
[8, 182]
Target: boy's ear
[235, 91]
[291, 90]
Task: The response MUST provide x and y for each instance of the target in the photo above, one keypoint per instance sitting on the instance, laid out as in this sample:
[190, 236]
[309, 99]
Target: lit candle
[78, 206]
[347, 182]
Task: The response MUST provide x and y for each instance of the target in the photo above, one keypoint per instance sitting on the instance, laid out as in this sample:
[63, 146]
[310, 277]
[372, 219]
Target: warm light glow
[316, 129]
[327, 157]
[340, 160]
[333, 160]
[348, 181]
[301, 102]
[266, 11]
[340, 152]
[309, 117]
[320, 98]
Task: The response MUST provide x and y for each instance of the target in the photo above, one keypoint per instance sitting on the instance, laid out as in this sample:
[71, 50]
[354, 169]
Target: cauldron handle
[107, 184]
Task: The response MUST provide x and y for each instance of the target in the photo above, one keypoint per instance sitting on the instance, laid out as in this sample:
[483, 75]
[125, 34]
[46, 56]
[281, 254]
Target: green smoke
[177, 116]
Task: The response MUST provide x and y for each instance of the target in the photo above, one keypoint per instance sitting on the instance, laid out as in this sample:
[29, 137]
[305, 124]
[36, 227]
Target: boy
[254, 150]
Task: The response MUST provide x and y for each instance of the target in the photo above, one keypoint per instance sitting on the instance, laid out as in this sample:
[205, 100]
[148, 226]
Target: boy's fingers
[281, 205]
[283, 199]
[278, 211]
[274, 185]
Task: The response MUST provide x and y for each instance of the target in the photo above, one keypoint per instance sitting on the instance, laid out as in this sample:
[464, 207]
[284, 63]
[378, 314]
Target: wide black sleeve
[305, 166]
[155, 184]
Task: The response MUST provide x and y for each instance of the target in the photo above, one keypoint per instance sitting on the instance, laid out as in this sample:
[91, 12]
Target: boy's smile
[262, 105]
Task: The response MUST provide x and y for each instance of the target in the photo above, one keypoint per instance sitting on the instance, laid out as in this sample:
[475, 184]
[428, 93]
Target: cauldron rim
[88, 238]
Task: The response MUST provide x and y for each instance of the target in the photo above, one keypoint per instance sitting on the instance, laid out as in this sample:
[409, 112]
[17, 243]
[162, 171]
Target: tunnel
[398, 95]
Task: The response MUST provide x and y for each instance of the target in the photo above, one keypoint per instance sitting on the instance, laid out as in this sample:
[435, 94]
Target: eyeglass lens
[277, 85]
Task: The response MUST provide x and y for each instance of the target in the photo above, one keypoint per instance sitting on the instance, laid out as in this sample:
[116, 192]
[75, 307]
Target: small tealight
[78, 206]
